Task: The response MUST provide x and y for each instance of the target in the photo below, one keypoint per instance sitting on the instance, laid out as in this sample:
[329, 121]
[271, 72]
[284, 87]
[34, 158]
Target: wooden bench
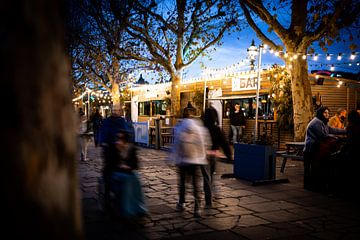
[285, 155]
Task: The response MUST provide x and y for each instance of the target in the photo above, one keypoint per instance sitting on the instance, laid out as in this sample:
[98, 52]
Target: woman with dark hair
[319, 144]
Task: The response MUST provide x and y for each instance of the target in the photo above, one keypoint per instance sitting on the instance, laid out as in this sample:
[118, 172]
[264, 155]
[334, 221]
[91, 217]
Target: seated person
[338, 120]
[319, 144]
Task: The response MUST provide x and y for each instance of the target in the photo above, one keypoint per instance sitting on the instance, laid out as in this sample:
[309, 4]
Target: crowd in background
[329, 161]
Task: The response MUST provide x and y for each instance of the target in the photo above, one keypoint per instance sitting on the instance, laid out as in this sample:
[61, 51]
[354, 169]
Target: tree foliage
[310, 22]
[96, 41]
[171, 35]
[281, 96]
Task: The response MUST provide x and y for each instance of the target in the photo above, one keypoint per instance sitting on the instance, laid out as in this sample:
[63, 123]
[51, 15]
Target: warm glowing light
[352, 56]
[339, 57]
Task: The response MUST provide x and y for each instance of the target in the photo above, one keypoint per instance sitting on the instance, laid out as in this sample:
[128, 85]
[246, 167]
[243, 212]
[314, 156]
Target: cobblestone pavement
[240, 211]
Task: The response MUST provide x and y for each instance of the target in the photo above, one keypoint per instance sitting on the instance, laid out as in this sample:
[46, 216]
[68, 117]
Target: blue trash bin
[254, 162]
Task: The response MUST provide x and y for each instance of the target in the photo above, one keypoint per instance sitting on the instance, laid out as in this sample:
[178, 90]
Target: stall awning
[233, 97]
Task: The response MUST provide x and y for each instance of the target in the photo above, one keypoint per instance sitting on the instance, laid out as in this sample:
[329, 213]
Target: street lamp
[253, 51]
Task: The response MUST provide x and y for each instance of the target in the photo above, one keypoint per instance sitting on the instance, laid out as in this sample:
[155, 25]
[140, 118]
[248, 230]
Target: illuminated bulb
[328, 57]
[339, 57]
[316, 57]
[304, 56]
[332, 68]
[352, 56]
[295, 56]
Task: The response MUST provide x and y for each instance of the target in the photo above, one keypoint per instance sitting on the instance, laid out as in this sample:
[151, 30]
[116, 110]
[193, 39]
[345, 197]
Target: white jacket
[199, 144]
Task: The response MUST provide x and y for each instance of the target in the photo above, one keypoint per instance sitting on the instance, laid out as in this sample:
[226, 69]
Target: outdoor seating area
[160, 134]
[294, 150]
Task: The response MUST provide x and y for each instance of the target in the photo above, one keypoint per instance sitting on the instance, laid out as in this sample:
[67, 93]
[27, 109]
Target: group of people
[329, 159]
[196, 146]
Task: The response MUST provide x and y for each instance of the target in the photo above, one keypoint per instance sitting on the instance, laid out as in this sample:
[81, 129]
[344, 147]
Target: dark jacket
[237, 118]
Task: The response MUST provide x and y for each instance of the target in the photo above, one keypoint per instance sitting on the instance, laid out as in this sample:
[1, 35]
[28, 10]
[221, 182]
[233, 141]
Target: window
[248, 105]
[144, 108]
[158, 107]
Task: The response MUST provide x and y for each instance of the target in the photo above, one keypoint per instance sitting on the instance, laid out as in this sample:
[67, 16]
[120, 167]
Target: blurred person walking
[125, 181]
[189, 151]
[218, 140]
[111, 127]
[96, 120]
[83, 135]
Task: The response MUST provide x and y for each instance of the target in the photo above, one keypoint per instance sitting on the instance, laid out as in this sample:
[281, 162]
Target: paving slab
[240, 210]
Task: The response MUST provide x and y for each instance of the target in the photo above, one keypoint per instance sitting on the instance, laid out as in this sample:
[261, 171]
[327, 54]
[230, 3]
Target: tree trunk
[39, 177]
[175, 94]
[115, 94]
[301, 96]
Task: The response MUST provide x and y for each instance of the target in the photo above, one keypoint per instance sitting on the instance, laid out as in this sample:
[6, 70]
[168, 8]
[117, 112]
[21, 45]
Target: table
[294, 150]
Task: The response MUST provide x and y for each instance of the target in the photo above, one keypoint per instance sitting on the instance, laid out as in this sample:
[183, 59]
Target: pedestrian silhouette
[191, 143]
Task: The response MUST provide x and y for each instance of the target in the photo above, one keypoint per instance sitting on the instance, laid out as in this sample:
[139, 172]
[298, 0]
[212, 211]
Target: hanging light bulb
[328, 57]
[339, 56]
[352, 56]
[316, 57]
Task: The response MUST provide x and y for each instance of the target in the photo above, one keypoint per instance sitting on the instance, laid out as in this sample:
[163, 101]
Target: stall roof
[232, 97]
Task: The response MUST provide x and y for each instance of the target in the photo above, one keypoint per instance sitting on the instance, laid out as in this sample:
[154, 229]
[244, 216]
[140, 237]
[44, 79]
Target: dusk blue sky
[235, 48]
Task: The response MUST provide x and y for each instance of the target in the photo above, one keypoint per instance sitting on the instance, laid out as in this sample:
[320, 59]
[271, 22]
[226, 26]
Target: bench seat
[284, 155]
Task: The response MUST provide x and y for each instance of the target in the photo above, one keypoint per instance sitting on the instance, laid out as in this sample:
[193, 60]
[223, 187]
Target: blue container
[254, 162]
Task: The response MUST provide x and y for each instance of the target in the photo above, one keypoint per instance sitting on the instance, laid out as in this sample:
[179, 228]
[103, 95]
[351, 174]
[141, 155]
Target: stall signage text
[240, 84]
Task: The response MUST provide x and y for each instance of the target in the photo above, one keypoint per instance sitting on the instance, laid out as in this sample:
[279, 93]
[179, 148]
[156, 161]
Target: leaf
[353, 46]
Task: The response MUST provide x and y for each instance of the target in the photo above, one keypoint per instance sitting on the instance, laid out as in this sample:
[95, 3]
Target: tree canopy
[297, 24]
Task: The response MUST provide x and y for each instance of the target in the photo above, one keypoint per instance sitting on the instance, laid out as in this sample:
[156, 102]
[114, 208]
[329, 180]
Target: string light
[352, 56]
[339, 57]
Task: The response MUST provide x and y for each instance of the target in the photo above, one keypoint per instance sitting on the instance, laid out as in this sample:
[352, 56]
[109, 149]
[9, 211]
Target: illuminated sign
[244, 83]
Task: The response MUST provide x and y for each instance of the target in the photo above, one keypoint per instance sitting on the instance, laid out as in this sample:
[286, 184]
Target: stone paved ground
[241, 211]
